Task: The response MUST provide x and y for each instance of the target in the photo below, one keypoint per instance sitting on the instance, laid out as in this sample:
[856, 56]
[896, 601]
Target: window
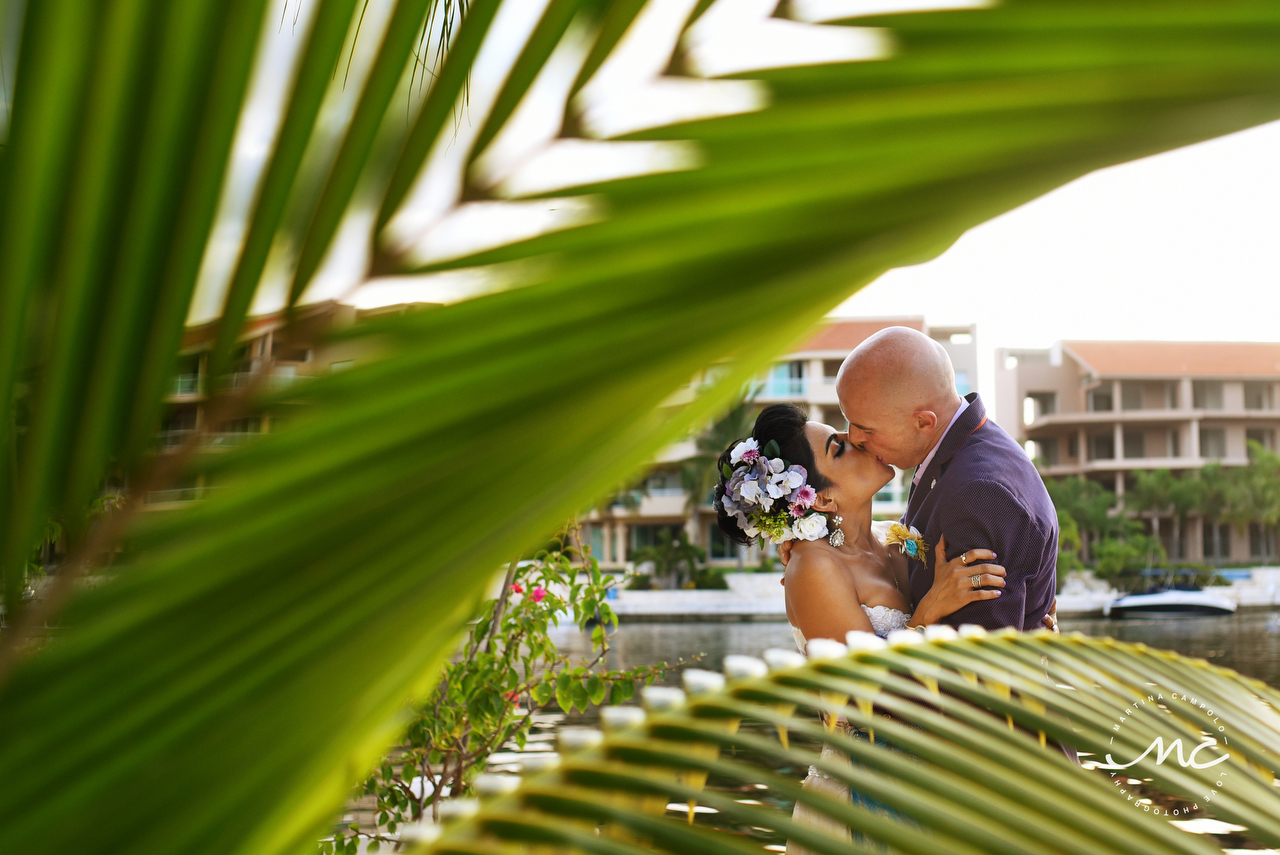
[718, 543]
[1262, 542]
[830, 368]
[663, 484]
[1257, 396]
[1220, 549]
[1175, 443]
[595, 540]
[1073, 446]
[1206, 394]
[786, 379]
[1131, 396]
[1047, 449]
[1213, 443]
[1039, 404]
[1100, 400]
[647, 535]
[282, 352]
[1102, 446]
[962, 383]
[1171, 396]
[1135, 445]
[835, 418]
[1265, 437]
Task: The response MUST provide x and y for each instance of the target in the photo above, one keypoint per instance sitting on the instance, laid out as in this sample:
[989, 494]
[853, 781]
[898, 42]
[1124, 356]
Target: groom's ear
[926, 420]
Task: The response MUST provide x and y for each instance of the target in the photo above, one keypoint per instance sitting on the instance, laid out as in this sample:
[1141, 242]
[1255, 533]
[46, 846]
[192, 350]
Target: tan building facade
[1107, 409]
[805, 377]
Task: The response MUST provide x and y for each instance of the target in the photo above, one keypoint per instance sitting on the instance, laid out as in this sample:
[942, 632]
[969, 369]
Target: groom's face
[896, 438]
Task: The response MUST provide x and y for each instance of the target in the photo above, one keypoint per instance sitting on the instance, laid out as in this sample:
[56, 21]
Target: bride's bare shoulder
[814, 558]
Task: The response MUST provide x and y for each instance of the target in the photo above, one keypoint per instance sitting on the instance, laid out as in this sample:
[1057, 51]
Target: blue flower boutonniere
[908, 540]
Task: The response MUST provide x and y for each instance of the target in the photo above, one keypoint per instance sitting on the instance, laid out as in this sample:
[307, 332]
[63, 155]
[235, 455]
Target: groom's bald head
[898, 390]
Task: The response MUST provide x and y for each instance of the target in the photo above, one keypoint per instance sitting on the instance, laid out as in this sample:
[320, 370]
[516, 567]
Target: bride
[804, 484]
[801, 482]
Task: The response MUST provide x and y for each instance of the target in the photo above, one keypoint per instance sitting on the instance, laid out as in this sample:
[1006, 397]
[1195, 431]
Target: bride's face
[856, 475]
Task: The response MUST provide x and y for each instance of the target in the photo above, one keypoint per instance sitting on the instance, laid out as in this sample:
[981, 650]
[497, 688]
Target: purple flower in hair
[750, 456]
[798, 510]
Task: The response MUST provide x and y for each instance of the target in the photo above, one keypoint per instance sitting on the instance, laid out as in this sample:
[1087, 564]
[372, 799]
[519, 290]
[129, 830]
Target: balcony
[186, 386]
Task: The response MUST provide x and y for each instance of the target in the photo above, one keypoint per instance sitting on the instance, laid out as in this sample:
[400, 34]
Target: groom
[972, 482]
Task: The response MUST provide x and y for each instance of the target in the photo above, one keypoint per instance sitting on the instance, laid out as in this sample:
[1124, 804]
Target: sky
[1184, 245]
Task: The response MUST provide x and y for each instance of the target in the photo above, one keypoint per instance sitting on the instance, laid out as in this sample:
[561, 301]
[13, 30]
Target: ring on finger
[964, 558]
[976, 579]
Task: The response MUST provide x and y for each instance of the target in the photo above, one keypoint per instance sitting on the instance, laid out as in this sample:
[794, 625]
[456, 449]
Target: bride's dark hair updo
[784, 424]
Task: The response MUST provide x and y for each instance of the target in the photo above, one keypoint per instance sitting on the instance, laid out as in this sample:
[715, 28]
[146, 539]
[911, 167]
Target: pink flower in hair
[805, 496]
[798, 510]
[750, 456]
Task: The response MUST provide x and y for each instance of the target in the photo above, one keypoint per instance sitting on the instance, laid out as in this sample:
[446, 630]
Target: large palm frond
[964, 761]
[644, 188]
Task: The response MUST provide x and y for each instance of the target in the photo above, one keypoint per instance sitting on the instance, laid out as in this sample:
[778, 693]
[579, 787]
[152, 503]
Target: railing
[231, 439]
[186, 384]
[175, 438]
[179, 494]
[788, 387]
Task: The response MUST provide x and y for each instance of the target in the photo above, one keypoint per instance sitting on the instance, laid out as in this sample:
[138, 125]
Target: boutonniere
[908, 540]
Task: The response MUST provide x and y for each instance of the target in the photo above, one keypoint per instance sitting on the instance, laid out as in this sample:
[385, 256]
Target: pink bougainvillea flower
[517, 588]
[538, 593]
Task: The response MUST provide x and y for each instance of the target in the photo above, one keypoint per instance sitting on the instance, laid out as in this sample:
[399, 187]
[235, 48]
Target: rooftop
[1176, 358]
[844, 336]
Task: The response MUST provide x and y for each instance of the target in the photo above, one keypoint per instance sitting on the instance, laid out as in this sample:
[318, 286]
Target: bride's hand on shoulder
[953, 583]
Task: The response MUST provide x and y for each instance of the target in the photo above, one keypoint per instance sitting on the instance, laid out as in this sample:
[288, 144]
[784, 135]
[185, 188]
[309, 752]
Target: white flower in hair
[750, 492]
[812, 527]
[776, 465]
[742, 448]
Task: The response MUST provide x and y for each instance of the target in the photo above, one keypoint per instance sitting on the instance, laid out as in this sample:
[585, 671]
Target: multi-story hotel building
[805, 377]
[1107, 409]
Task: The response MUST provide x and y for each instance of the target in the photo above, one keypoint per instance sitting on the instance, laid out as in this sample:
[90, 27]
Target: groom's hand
[1051, 619]
[784, 552]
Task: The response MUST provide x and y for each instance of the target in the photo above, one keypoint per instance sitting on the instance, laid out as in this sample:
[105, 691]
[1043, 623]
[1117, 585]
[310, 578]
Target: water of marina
[1247, 641]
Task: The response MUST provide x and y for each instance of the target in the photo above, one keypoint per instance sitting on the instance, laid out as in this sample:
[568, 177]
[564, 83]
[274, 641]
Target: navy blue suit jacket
[982, 492]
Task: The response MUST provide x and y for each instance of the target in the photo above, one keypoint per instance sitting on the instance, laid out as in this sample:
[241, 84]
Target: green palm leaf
[960, 765]
[251, 656]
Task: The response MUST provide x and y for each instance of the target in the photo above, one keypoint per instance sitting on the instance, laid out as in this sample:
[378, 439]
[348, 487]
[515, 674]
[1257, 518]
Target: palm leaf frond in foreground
[963, 761]
[255, 654]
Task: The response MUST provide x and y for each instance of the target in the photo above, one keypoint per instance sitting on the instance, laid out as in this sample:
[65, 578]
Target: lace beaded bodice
[884, 620]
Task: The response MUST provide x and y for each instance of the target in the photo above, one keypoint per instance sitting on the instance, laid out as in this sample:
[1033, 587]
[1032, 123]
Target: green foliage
[959, 746]
[507, 671]
[250, 658]
[676, 562]
[698, 474]
[1121, 560]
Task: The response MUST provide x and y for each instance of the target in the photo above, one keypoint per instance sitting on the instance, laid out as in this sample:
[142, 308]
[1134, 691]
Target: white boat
[1183, 601]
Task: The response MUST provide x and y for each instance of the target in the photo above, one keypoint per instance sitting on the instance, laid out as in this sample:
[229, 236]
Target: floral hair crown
[768, 497]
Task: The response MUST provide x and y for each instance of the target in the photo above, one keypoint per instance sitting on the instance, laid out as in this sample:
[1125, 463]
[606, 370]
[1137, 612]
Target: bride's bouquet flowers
[768, 497]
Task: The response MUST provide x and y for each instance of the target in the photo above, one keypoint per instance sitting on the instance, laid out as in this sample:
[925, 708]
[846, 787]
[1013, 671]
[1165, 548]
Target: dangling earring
[836, 538]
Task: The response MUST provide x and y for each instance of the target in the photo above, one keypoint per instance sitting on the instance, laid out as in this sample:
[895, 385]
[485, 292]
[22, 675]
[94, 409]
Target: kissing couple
[975, 499]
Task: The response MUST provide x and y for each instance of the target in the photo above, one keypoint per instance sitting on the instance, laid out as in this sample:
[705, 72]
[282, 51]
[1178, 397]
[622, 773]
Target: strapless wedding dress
[884, 620]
